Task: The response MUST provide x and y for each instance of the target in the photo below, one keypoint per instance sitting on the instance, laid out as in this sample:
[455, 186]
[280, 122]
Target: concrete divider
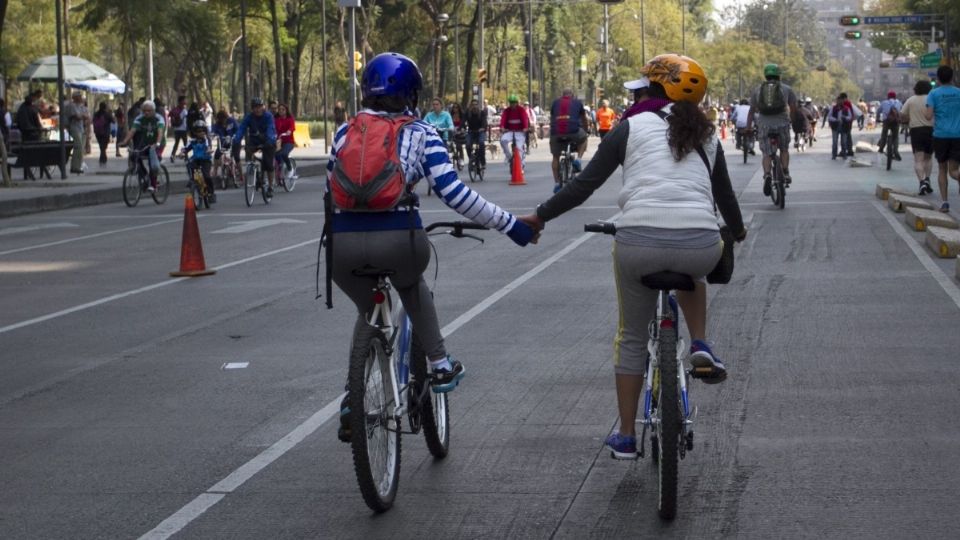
[920, 219]
[899, 202]
[864, 147]
[884, 190]
[944, 242]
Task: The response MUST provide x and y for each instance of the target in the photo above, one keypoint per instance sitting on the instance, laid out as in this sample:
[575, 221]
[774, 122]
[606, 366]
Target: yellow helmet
[681, 76]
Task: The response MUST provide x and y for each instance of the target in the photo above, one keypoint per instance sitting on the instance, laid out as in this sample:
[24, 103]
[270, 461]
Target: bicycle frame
[384, 316]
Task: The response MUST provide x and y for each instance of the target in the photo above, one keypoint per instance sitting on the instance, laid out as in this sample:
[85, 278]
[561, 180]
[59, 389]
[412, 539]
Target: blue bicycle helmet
[392, 74]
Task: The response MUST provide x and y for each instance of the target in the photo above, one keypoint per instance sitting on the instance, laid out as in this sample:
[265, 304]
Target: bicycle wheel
[374, 433]
[250, 184]
[668, 425]
[473, 170]
[163, 186]
[746, 151]
[777, 189]
[289, 180]
[434, 409]
[263, 186]
[132, 188]
[889, 153]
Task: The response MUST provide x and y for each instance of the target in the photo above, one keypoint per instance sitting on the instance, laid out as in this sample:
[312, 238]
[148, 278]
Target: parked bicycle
[668, 413]
[389, 380]
[136, 180]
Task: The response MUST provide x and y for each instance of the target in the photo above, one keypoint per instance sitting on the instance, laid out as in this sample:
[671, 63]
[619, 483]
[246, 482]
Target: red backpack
[368, 176]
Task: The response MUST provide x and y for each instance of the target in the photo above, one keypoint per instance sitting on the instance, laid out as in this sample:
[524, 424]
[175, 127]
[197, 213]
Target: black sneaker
[343, 432]
[925, 187]
[897, 157]
[880, 150]
[766, 185]
[786, 177]
[446, 380]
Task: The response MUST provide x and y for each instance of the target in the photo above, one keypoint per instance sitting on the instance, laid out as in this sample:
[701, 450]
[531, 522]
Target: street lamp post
[438, 41]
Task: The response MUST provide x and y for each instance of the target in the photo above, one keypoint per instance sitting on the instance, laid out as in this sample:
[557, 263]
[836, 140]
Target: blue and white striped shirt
[423, 154]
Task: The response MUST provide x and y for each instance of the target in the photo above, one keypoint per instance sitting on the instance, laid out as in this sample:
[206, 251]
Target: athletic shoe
[751, 152]
[880, 150]
[897, 157]
[557, 187]
[577, 167]
[269, 191]
[786, 177]
[706, 366]
[766, 185]
[151, 189]
[622, 446]
[925, 187]
[445, 380]
[944, 207]
[343, 432]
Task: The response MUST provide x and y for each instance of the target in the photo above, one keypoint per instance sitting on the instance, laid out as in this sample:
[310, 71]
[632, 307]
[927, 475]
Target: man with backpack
[774, 104]
[178, 120]
[890, 116]
[372, 210]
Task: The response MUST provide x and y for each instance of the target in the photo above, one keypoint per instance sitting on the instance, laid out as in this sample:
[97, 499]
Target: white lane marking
[804, 203]
[235, 365]
[30, 228]
[118, 296]
[925, 259]
[175, 523]
[89, 236]
[238, 227]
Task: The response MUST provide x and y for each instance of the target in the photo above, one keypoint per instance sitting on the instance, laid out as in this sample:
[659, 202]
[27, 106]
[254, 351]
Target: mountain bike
[667, 410]
[136, 180]
[254, 180]
[778, 184]
[389, 380]
[475, 167]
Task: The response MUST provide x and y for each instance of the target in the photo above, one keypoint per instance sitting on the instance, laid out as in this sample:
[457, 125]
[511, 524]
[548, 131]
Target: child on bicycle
[363, 232]
[674, 173]
[224, 128]
[201, 155]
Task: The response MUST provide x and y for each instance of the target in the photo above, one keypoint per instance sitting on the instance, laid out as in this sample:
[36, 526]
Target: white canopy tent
[110, 84]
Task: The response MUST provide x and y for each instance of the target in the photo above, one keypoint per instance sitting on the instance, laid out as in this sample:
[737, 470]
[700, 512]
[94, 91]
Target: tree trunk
[467, 90]
[66, 27]
[3, 16]
[277, 50]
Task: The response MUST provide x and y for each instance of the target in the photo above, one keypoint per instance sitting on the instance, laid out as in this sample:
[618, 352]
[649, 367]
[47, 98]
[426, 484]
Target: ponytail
[688, 128]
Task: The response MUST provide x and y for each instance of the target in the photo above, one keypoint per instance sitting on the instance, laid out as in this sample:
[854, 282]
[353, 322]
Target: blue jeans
[836, 138]
[477, 138]
[284, 154]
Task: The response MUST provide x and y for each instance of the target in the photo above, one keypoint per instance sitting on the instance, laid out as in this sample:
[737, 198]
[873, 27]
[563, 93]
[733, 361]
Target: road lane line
[925, 259]
[89, 236]
[118, 296]
[183, 517]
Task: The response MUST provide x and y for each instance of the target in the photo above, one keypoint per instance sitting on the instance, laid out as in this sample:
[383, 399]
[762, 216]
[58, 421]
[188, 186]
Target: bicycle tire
[472, 171]
[435, 408]
[668, 427]
[368, 363]
[163, 186]
[263, 187]
[745, 151]
[250, 185]
[776, 183]
[290, 181]
[889, 153]
[132, 188]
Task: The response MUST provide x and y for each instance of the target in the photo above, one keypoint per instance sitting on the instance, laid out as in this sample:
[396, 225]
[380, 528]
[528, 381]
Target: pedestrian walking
[178, 121]
[943, 107]
[87, 130]
[75, 114]
[120, 119]
[102, 120]
[838, 118]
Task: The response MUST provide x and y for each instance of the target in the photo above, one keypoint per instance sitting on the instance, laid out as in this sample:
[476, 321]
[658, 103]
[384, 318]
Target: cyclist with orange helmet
[674, 173]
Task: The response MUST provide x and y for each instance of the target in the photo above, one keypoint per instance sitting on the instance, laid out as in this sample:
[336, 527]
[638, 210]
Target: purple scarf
[647, 105]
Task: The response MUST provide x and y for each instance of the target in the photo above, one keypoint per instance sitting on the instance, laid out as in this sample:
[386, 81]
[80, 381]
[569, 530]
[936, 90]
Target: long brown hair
[688, 127]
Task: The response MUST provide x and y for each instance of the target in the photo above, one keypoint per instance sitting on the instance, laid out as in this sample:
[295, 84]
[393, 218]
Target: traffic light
[357, 61]
[849, 20]
[482, 76]
[853, 34]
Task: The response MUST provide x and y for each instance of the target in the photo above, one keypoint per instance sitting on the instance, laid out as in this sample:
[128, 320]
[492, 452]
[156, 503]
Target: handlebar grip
[602, 227]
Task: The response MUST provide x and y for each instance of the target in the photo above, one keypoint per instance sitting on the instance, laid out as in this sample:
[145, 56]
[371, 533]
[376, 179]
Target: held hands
[522, 233]
[534, 224]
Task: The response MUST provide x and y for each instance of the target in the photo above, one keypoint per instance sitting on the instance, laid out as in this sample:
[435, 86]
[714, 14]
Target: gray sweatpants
[638, 304]
[390, 250]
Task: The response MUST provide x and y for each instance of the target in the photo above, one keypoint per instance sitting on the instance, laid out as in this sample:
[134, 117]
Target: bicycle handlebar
[604, 227]
[457, 228]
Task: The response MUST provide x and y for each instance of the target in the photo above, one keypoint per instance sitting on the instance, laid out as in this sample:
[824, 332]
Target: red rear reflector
[666, 323]
[379, 297]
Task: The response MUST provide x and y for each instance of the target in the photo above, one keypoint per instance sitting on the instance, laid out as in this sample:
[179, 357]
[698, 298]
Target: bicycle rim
[263, 187]
[250, 185]
[132, 188]
[197, 196]
[163, 186]
[434, 410]
[375, 438]
[668, 426]
[290, 181]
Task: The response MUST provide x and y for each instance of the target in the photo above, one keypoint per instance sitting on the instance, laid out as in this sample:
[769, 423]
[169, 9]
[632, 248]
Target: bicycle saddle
[370, 271]
[667, 281]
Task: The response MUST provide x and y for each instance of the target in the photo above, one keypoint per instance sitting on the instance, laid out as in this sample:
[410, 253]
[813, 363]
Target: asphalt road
[119, 417]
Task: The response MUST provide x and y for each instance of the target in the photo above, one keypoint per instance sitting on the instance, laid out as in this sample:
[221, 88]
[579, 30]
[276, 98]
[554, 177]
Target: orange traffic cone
[191, 250]
[723, 131]
[516, 169]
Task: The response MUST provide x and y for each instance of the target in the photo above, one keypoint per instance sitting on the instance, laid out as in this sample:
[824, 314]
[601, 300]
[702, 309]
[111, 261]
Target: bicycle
[197, 186]
[228, 171]
[456, 156]
[668, 412]
[746, 141]
[132, 191]
[475, 167]
[566, 162]
[388, 379]
[892, 145]
[286, 177]
[778, 184]
[253, 179]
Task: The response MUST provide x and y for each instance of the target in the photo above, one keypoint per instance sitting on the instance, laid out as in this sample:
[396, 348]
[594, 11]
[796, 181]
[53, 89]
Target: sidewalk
[102, 184]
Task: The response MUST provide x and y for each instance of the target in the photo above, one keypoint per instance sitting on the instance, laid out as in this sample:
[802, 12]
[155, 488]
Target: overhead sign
[908, 65]
[897, 19]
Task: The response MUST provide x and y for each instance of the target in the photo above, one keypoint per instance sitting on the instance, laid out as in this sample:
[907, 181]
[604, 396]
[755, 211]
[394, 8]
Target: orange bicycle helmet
[681, 76]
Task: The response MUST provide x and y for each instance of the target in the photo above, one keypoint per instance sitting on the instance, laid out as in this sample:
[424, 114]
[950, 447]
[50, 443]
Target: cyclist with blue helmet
[394, 239]
[258, 126]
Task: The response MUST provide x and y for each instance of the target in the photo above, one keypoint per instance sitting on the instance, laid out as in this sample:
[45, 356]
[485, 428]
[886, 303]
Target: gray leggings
[638, 303]
[390, 250]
